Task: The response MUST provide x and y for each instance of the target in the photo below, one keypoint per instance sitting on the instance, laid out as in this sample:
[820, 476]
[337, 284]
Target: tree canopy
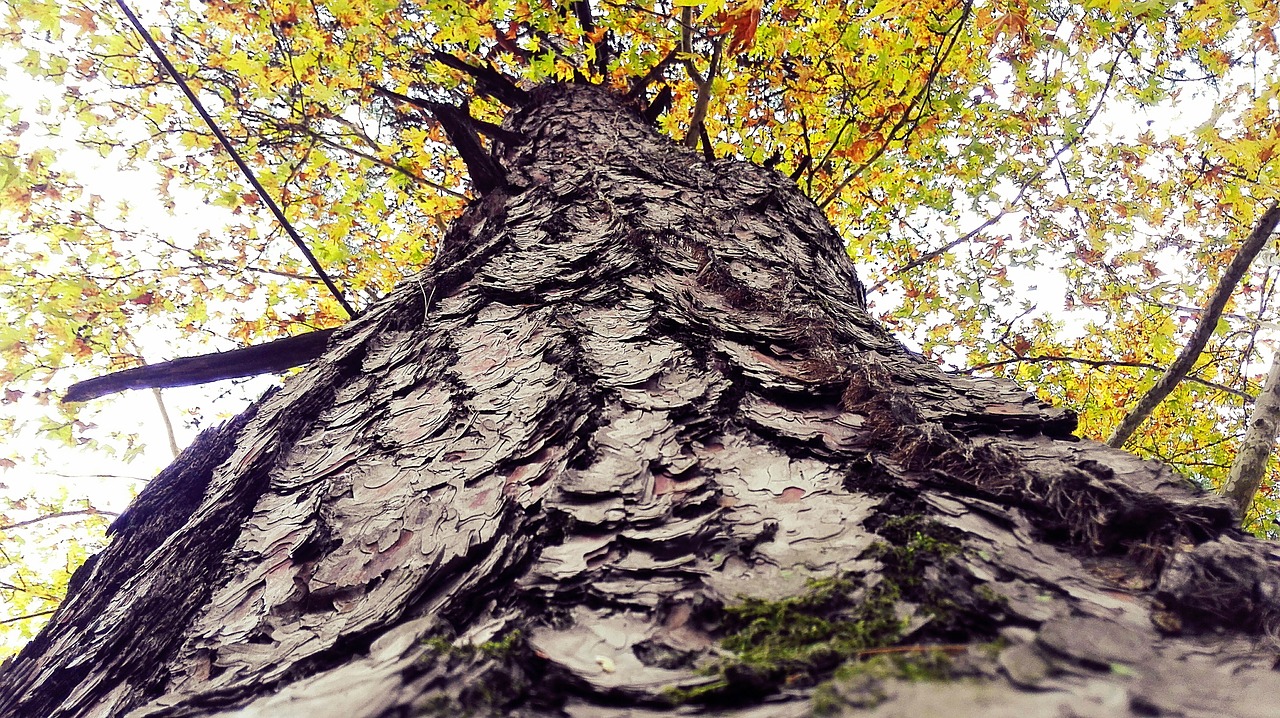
[1045, 190]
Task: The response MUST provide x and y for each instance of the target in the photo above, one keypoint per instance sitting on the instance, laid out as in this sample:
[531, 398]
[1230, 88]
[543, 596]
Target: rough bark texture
[637, 408]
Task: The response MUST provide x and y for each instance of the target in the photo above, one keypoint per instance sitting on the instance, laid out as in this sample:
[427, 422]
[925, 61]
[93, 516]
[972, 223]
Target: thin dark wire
[226, 143]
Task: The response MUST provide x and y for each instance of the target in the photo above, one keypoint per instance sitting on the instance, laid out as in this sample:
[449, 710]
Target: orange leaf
[81, 18]
[742, 23]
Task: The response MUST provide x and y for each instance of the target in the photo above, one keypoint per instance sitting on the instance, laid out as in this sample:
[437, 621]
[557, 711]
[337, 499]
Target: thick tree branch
[582, 10]
[274, 356]
[486, 172]
[1186, 359]
[638, 87]
[660, 104]
[488, 129]
[704, 93]
[240, 163]
[686, 44]
[489, 81]
[708, 152]
[798, 172]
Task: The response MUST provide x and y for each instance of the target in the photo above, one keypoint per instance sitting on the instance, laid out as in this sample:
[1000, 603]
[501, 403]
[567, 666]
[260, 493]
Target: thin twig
[935, 253]
[5, 586]
[37, 614]
[921, 97]
[1099, 363]
[168, 423]
[57, 515]
[322, 139]
[1026, 185]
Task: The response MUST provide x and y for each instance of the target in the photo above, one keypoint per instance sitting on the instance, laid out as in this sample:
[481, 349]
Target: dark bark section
[274, 356]
[636, 408]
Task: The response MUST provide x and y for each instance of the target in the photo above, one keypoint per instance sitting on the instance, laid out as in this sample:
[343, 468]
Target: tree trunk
[632, 443]
[1251, 460]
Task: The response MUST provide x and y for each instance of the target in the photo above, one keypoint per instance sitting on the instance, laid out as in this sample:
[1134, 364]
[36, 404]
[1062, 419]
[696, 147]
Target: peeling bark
[635, 409]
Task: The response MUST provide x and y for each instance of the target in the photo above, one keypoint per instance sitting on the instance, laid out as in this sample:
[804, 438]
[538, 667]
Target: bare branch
[168, 423]
[704, 95]
[686, 44]
[1048, 358]
[57, 515]
[28, 616]
[488, 80]
[274, 356]
[1250, 464]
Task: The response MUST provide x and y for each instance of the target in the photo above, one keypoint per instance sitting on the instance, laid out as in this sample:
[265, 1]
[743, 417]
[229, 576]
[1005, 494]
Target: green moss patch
[497, 676]
[858, 683]
[801, 640]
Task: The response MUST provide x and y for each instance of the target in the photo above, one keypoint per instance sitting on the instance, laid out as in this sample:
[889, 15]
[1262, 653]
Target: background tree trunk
[633, 441]
[1255, 449]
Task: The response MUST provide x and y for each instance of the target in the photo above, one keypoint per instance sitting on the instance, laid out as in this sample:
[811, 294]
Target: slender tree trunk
[1255, 450]
[633, 443]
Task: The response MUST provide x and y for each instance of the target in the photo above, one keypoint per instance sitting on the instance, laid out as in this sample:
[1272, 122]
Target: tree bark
[633, 443]
[1255, 449]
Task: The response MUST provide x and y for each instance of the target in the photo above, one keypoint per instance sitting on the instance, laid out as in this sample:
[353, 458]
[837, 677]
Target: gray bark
[1251, 460]
[636, 402]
